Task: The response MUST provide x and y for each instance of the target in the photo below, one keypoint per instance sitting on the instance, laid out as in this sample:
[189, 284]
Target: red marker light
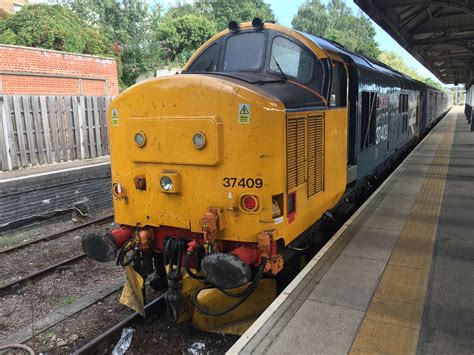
[250, 203]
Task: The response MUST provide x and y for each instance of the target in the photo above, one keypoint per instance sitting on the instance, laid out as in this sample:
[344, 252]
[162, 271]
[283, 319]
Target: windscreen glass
[244, 51]
[207, 61]
[292, 59]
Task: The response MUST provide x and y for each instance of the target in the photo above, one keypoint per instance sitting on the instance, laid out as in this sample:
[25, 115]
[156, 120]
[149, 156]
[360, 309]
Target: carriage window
[338, 85]
[207, 61]
[293, 59]
[403, 109]
[244, 51]
[368, 119]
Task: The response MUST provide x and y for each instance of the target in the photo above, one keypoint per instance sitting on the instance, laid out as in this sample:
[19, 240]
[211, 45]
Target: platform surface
[398, 277]
[43, 170]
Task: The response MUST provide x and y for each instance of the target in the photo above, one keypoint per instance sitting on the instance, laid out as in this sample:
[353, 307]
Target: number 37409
[242, 182]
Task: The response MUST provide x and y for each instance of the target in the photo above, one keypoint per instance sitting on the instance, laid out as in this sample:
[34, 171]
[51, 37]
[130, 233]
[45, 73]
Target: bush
[52, 27]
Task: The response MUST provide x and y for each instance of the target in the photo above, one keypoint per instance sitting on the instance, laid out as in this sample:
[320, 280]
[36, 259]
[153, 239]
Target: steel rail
[55, 235]
[92, 346]
[7, 287]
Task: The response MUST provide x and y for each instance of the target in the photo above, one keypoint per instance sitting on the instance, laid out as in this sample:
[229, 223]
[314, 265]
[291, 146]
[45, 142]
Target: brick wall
[25, 70]
[20, 198]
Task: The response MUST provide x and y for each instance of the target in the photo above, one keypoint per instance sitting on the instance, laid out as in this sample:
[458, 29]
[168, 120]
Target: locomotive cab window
[291, 59]
[338, 85]
[244, 51]
[207, 61]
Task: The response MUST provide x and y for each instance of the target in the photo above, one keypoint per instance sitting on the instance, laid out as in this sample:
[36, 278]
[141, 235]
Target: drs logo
[381, 133]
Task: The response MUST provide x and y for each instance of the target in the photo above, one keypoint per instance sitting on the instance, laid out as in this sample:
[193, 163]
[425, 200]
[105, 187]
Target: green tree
[185, 27]
[181, 36]
[396, 62]
[433, 83]
[128, 22]
[52, 27]
[337, 22]
[221, 12]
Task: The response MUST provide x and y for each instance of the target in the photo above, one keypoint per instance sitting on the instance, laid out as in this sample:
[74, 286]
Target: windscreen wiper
[279, 68]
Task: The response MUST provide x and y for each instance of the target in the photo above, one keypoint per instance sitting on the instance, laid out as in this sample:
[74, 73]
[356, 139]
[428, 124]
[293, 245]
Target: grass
[9, 240]
[67, 300]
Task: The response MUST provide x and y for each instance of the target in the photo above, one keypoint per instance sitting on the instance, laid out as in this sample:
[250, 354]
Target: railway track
[113, 332]
[57, 235]
[9, 286]
[34, 275]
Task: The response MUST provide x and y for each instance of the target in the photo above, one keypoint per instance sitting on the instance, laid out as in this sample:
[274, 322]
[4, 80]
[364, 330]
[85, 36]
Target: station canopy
[439, 33]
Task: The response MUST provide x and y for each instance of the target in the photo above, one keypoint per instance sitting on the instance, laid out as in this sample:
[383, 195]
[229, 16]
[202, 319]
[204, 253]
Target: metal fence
[41, 130]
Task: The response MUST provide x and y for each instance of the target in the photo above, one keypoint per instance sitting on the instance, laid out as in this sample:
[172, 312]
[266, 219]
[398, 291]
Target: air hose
[187, 266]
[174, 299]
[121, 259]
[243, 296]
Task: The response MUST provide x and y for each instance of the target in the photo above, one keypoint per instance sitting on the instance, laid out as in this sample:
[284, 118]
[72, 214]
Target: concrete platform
[398, 277]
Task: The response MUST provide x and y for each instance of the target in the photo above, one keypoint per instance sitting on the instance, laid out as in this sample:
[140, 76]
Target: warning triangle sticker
[244, 111]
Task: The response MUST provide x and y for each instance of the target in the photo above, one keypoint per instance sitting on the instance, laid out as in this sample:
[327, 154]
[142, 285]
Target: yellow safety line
[393, 320]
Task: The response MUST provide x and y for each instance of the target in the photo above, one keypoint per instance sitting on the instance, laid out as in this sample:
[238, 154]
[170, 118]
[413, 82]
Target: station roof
[439, 33]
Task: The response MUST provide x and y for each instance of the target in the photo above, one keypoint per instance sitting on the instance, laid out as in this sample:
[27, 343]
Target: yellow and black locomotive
[220, 172]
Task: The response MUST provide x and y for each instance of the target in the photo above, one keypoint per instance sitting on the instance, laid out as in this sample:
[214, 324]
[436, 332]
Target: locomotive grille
[305, 153]
[315, 155]
[296, 144]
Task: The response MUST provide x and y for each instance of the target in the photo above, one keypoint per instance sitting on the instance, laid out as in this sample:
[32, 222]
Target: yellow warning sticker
[115, 121]
[244, 113]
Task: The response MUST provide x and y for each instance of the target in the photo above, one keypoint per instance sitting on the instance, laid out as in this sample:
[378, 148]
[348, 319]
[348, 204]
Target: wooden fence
[40, 130]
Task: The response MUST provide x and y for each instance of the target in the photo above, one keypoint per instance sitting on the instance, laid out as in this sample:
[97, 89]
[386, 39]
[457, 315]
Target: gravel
[35, 299]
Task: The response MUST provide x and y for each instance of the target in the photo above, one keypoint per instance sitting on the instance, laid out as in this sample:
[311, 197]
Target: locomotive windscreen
[268, 57]
[247, 51]
[244, 51]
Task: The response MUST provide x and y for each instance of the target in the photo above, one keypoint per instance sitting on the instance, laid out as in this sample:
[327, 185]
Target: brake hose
[244, 295]
[123, 253]
[188, 268]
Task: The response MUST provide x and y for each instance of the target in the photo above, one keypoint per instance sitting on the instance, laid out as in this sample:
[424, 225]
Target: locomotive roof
[358, 59]
[325, 45]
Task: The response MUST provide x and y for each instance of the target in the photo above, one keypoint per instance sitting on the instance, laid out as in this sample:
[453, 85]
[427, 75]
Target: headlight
[140, 139]
[199, 140]
[166, 183]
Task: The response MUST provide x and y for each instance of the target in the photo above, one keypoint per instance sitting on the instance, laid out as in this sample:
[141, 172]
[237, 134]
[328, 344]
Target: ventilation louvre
[305, 152]
[315, 155]
[296, 155]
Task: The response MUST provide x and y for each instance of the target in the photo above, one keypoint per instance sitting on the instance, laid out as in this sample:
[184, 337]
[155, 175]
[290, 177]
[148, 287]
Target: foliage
[129, 23]
[181, 36]
[143, 39]
[52, 27]
[221, 12]
[336, 22]
[396, 62]
[433, 83]
[185, 27]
